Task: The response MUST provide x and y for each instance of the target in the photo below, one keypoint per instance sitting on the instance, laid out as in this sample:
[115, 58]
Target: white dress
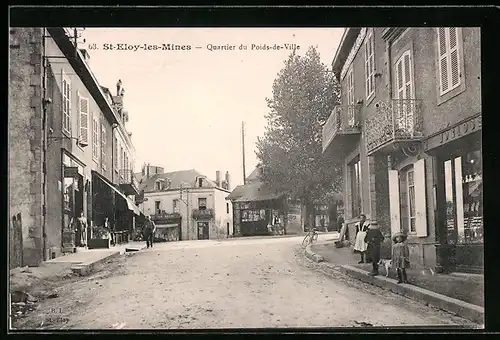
[360, 244]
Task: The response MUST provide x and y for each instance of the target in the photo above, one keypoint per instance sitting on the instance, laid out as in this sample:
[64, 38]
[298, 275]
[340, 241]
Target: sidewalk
[66, 266]
[462, 294]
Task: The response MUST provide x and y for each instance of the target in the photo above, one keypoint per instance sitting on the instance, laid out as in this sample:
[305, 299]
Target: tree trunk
[308, 214]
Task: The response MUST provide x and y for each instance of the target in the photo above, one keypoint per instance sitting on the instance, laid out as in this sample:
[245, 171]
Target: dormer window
[159, 184]
[200, 182]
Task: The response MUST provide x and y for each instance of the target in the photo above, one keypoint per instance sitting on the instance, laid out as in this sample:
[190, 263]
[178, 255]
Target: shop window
[355, 176]
[253, 215]
[464, 198]
[410, 195]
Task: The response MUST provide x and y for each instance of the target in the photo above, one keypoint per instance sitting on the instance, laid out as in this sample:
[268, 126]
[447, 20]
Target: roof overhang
[346, 43]
[77, 61]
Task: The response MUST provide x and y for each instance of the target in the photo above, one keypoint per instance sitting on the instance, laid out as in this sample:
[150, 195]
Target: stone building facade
[26, 154]
[408, 135]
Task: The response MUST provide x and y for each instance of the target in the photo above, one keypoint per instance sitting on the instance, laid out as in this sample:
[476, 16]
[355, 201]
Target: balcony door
[404, 103]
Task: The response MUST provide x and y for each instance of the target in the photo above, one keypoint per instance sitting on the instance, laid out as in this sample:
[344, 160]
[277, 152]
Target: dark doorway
[203, 233]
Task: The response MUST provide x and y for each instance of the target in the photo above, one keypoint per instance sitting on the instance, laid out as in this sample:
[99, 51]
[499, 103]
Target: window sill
[443, 98]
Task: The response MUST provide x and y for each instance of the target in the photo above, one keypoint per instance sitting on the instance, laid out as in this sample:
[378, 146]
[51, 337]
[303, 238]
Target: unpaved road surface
[227, 284]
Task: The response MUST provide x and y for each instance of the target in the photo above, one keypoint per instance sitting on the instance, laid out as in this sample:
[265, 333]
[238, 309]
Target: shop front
[168, 227]
[253, 218]
[459, 197]
[113, 213]
[74, 189]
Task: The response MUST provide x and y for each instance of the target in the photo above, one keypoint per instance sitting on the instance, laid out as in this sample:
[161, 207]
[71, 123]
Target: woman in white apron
[360, 245]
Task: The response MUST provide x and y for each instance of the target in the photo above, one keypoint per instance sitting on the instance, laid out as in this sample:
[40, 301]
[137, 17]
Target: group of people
[368, 243]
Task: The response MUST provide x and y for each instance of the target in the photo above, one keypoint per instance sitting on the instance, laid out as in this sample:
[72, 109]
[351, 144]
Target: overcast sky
[186, 107]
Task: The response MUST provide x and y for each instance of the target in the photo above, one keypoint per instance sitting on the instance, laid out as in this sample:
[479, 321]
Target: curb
[313, 256]
[86, 268]
[461, 308]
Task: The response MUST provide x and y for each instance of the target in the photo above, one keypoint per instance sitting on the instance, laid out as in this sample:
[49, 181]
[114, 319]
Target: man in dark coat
[374, 238]
[148, 231]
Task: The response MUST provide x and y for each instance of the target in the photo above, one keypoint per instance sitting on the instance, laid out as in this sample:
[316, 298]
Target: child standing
[400, 256]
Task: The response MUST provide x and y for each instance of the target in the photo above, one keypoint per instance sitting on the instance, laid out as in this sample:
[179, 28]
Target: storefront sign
[454, 133]
[70, 171]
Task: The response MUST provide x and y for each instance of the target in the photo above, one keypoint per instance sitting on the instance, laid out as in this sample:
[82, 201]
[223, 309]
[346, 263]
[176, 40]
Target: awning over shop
[131, 206]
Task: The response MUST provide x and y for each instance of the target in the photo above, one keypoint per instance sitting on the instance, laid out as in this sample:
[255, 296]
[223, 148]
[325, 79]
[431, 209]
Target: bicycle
[310, 238]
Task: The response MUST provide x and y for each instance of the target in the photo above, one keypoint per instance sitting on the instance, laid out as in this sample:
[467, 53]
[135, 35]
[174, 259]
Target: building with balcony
[54, 93]
[415, 162]
[186, 205]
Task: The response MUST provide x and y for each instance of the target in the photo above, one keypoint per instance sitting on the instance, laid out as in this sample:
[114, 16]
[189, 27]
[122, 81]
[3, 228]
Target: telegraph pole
[243, 147]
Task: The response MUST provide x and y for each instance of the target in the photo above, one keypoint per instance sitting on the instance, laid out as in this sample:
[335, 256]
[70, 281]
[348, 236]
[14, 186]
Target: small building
[255, 206]
[186, 205]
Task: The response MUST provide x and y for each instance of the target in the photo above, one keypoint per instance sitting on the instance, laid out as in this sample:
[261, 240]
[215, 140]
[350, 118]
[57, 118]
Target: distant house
[186, 205]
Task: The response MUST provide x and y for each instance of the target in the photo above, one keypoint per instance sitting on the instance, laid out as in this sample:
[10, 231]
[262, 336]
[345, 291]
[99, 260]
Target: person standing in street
[374, 238]
[400, 256]
[148, 231]
[81, 234]
[360, 246]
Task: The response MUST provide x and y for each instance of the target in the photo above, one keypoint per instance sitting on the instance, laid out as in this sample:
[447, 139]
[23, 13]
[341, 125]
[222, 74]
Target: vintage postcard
[245, 178]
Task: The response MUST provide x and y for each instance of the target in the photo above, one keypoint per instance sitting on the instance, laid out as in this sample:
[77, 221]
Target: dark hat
[402, 235]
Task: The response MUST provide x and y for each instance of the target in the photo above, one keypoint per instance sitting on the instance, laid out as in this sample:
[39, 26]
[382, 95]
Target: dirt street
[227, 284]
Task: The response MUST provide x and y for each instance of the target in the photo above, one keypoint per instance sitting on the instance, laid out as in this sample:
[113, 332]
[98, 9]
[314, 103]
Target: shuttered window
[420, 198]
[83, 122]
[66, 103]
[448, 60]
[115, 152]
[394, 203]
[103, 146]
[404, 104]
[350, 96]
[95, 139]
[369, 66]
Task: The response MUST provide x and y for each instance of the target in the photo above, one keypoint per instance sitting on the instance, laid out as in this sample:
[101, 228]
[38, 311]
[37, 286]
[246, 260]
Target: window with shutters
[369, 66]
[355, 179]
[66, 104]
[404, 105]
[83, 121]
[350, 97]
[449, 58]
[95, 139]
[103, 147]
[122, 154]
[115, 152]
[410, 196]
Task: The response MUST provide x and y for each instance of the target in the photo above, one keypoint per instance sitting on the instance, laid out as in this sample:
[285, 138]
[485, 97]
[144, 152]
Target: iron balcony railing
[397, 120]
[344, 119]
[127, 177]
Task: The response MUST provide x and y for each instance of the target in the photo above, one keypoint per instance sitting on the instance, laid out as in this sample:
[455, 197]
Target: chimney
[85, 54]
[228, 180]
[118, 87]
[217, 178]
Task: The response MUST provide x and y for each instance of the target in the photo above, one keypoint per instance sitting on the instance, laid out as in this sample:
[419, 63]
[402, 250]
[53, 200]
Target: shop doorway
[203, 232]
